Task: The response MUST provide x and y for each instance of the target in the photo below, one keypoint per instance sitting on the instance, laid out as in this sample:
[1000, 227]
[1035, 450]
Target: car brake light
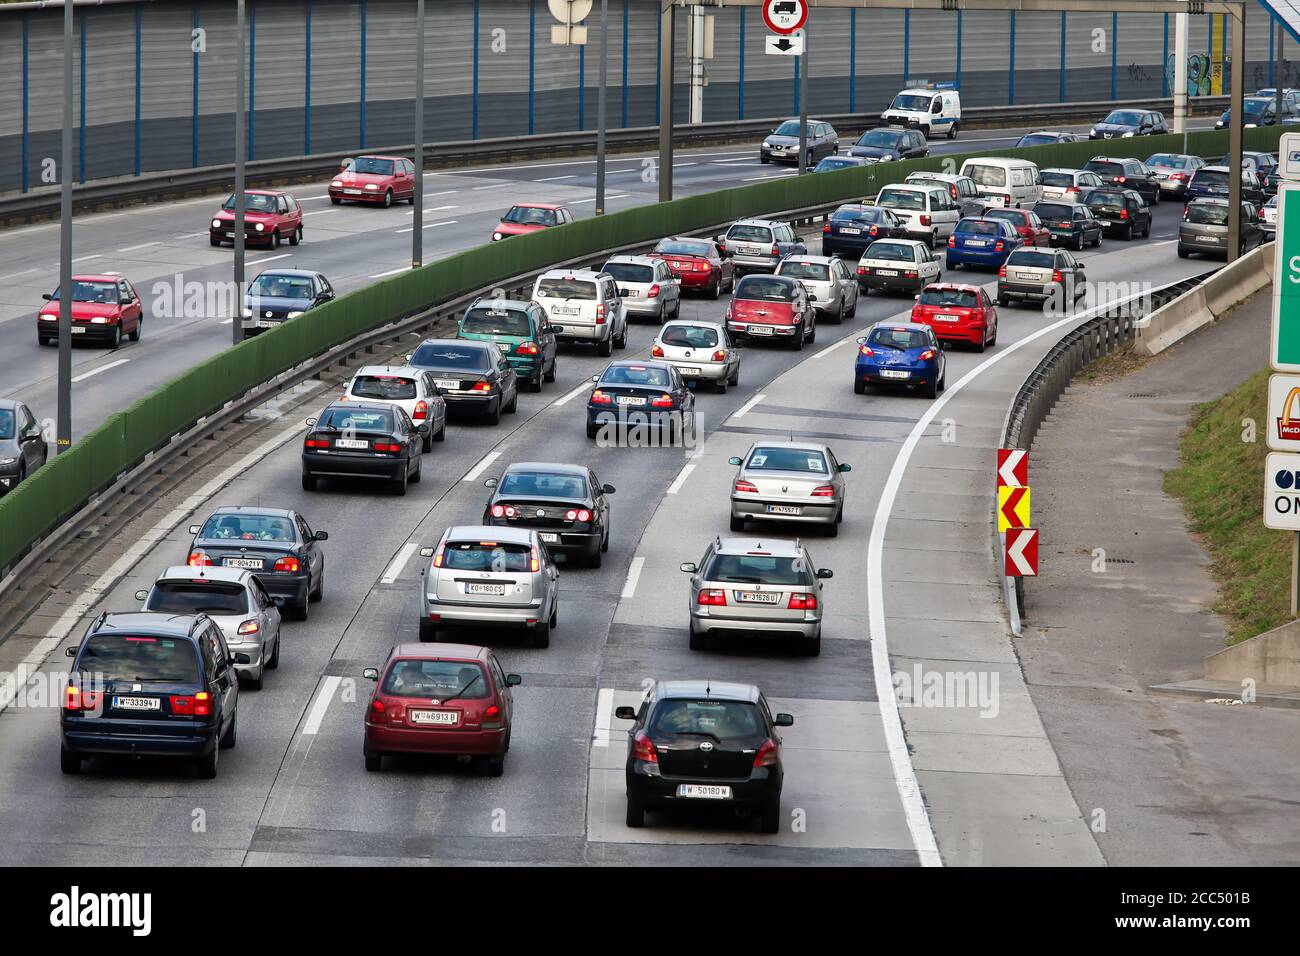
[767, 754]
[534, 562]
[202, 704]
[866, 350]
[909, 275]
[1056, 276]
[600, 314]
[600, 398]
[1072, 189]
[248, 627]
[802, 602]
[491, 719]
[925, 220]
[439, 555]
[481, 387]
[291, 565]
[719, 355]
[387, 446]
[377, 709]
[663, 401]
[826, 228]
[1121, 179]
[199, 559]
[421, 411]
[1123, 214]
[776, 250]
[181, 705]
[827, 491]
[1007, 198]
[1181, 177]
[78, 699]
[643, 749]
[746, 486]
[702, 267]
[657, 352]
[998, 246]
[526, 348]
[498, 511]
[862, 270]
[925, 357]
[872, 231]
[581, 514]
[952, 242]
[712, 597]
[1002, 272]
[511, 512]
[316, 443]
[952, 190]
[653, 292]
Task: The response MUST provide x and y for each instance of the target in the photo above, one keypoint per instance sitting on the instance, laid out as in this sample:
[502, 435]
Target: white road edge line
[258, 262]
[831, 348]
[682, 475]
[604, 712]
[95, 371]
[482, 466]
[399, 563]
[317, 715]
[743, 410]
[430, 225]
[569, 396]
[633, 576]
[390, 272]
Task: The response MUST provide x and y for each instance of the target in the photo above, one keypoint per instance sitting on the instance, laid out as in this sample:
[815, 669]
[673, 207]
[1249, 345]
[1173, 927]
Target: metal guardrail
[127, 190]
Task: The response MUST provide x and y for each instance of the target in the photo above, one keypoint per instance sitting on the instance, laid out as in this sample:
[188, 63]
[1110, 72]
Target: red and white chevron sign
[1022, 552]
[1013, 468]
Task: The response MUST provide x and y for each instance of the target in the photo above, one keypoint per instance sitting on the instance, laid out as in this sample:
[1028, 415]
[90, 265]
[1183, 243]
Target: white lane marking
[832, 348]
[604, 712]
[492, 186]
[390, 272]
[411, 212]
[321, 212]
[743, 410]
[95, 371]
[312, 198]
[222, 322]
[633, 576]
[87, 258]
[682, 165]
[258, 262]
[445, 192]
[556, 179]
[191, 235]
[143, 245]
[317, 715]
[399, 562]
[14, 275]
[682, 475]
[568, 396]
[575, 202]
[482, 466]
[430, 225]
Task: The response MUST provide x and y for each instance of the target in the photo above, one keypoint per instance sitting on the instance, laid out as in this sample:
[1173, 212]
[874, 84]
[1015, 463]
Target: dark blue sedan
[283, 294]
[900, 353]
[648, 396]
[977, 241]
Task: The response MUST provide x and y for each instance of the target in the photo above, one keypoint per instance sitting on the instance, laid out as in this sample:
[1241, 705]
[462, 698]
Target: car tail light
[909, 275]
[579, 514]
[746, 486]
[534, 561]
[498, 511]
[643, 749]
[767, 754]
[492, 718]
[872, 231]
[248, 627]
[925, 357]
[1007, 198]
[802, 602]
[1056, 276]
[776, 250]
[712, 597]
[387, 446]
[866, 350]
[600, 398]
[203, 704]
[377, 710]
[826, 228]
[438, 557]
[77, 699]
[862, 270]
[1123, 214]
[316, 443]
[292, 565]
[657, 352]
[1181, 177]
[1121, 179]
[998, 246]
[702, 267]
[481, 387]
[1002, 272]
[600, 314]
[952, 190]
[720, 355]
[527, 348]
[925, 220]
[952, 242]
[1073, 189]
[199, 559]
[653, 292]
[825, 491]
[663, 401]
[182, 706]
[421, 411]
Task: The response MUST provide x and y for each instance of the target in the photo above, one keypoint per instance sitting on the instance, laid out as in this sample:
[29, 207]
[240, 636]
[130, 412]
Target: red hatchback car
[958, 313]
[270, 215]
[772, 307]
[697, 264]
[452, 699]
[530, 217]
[1026, 223]
[374, 179]
[104, 308]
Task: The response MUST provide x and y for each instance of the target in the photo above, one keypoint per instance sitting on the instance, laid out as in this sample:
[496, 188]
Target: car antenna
[708, 686]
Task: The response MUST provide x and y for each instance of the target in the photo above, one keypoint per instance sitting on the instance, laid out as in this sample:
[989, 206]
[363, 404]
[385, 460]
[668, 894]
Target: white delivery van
[931, 109]
[1012, 183]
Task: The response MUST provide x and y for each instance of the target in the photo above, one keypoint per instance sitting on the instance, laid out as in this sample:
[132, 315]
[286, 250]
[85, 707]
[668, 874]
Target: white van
[932, 109]
[1005, 182]
[930, 212]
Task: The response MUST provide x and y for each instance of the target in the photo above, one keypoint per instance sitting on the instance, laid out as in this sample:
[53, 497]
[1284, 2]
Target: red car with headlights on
[958, 313]
[1026, 223]
[270, 215]
[529, 217]
[104, 308]
[374, 179]
[772, 307]
[698, 264]
[453, 700]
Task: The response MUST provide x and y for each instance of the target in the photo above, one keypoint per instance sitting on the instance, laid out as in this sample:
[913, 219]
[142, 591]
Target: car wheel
[714, 290]
[255, 683]
[494, 766]
[514, 403]
[698, 641]
[737, 523]
[116, 340]
[932, 240]
[388, 198]
[300, 611]
[1182, 253]
[833, 529]
[207, 766]
[535, 383]
[1146, 232]
[308, 483]
[859, 387]
[275, 238]
[399, 484]
[763, 159]
[441, 434]
[592, 430]
[621, 341]
[812, 647]
[812, 330]
[1128, 232]
[549, 376]
[494, 417]
[295, 237]
[932, 390]
[992, 341]
[605, 349]
[1078, 243]
[980, 345]
[426, 444]
[139, 327]
[635, 809]
[735, 376]
[799, 338]
[769, 820]
[419, 471]
[336, 200]
[1096, 243]
[43, 341]
[1155, 200]
[273, 662]
[68, 761]
[428, 632]
[374, 762]
[213, 241]
[952, 130]
[595, 559]
[542, 635]
[720, 386]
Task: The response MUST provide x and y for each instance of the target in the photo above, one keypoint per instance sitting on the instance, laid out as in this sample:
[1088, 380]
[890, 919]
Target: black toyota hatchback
[701, 742]
[567, 505]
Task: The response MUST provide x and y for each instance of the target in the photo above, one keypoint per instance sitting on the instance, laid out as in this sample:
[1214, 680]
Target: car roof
[807, 257]
[301, 273]
[183, 572]
[635, 260]
[1208, 201]
[777, 547]
[265, 192]
[757, 222]
[938, 177]
[696, 323]
[257, 510]
[378, 156]
[908, 186]
[467, 343]
[150, 623]
[353, 405]
[404, 371]
[947, 287]
[8, 403]
[924, 89]
[901, 326]
[1114, 159]
[711, 689]
[478, 532]
[97, 277]
[1064, 169]
[796, 445]
[537, 205]
[907, 242]
[585, 274]
[766, 275]
[441, 652]
[555, 466]
[507, 303]
[644, 363]
[1213, 169]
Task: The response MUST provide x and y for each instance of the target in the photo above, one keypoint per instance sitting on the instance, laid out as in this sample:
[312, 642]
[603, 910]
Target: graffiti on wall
[1199, 69]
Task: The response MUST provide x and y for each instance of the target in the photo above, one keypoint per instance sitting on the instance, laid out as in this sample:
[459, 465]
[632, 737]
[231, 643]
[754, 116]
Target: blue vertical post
[907, 44]
[307, 84]
[959, 49]
[252, 74]
[362, 143]
[740, 84]
[1011, 74]
[532, 63]
[1164, 59]
[625, 3]
[853, 58]
[138, 63]
[1114, 56]
[1061, 94]
[582, 87]
[81, 131]
[473, 123]
[194, 109]
[27, 144]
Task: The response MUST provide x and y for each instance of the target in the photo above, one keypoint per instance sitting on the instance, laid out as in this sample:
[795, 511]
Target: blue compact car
[981, 242]
[900, 353]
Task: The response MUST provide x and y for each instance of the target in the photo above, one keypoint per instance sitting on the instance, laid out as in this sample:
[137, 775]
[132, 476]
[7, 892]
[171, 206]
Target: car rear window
[860, 214]
[248, 528]
[446, 355]
[748, 233]
[1205, 214]
[836, 162]
[986, 175]
[113, 657]
[815, 271]
[719, 719]
[1056, 179]
[897, 339]
[636, 375]
[344, 419]
[566, 289]
[388, 388]
[373, 167]
[1210, 177]
[444, 680]
[1047, 210]
[1104, 168]
[488, 321]
[684, 247]
[629, 271]
[756, 569]
[952, 298]
[485, 556]
[808, 460]
[1037, 139]
[1103, 199]
[978, 227]
[543, 484]
[1169, 161]
[901, 198]
[689, 336]
[198, 596]
[1032, 258]
[767, 288]
[1017, 217]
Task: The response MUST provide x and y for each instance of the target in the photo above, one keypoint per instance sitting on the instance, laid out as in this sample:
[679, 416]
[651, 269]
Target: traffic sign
[1282, 491]
[1013, 467]
[1288, 152]
[569, 31]
[1022, 553]
[785, 46]
[1013, 508]
[1284, 347]
[1284, 412]
[785, 16]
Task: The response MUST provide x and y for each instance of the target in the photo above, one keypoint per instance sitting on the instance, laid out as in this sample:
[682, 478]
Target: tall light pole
[803, 104]
[237, 325]
[63, 437]
[600, 108]
[667, 23]
[417, 217]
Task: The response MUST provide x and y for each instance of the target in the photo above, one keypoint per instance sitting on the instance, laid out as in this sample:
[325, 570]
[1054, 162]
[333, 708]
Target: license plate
[981, 243]
[252, 564]
[350, 443]
[443, 718]
[689, 369]
[549, 538]
[760, 330]
[565, 310]
[352, 192]
[784, 510]
[698, 791]
[758, 597]
[945, 318]
[1207, 239]
[474, 587]
[850, 231]
[753, 250]
[890, 373]
[137, 703]
[503, 346]
[78, 330]
[630, 400]
[1025, 275]
[886, 272]
[447, 386]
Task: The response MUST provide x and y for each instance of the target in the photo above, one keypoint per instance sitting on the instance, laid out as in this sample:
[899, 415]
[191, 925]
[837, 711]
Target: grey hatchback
[789, 481]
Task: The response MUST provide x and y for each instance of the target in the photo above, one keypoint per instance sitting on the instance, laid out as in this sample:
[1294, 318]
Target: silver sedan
[700, 351]
[799, 482]
[831, 284]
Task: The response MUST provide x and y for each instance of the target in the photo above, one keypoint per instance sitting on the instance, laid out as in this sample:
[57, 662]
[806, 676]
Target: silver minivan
[831, 284]
[489, 576]
[585, 305]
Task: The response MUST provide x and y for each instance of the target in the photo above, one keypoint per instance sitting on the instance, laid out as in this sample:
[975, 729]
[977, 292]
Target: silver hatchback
[799, 482]
[832, 286]
[646, 286]
[700, 351]
[489, 577]
[750, 586]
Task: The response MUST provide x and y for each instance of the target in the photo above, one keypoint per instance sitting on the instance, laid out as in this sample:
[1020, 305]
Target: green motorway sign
[1285, 354]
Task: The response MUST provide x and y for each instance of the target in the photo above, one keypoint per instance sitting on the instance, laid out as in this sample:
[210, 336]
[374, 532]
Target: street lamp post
[63, 436]
[600, 108]
[237, 323]
[417, 234]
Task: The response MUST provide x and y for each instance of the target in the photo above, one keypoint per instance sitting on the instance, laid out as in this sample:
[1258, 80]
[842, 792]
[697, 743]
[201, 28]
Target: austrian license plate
[1025, 275]
[137, 703]
[784, 510]
[699, 791]
[1207, 239]
[630, 400]
[442, 718]
[760, 330]
[252, 564]
[689, 369]
[549, 537]
[758, 597]
[850, 231]
[886, 272]
[474, 587]
[504, 346]
[1103, 222]
[352, 192]
[890, 373]
[351, 443]
[78, 330]
[941, 317]
[447, 385]
[565, 310]
[752, 250]
[978, 243]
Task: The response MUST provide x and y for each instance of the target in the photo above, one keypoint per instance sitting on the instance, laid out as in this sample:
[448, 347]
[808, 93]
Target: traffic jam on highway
[512, 488]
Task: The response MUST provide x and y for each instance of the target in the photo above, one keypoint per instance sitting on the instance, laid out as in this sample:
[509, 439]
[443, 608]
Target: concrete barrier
[1269, 659]
[1209, 301]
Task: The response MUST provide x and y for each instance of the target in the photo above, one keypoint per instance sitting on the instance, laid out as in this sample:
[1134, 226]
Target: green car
[520, 330]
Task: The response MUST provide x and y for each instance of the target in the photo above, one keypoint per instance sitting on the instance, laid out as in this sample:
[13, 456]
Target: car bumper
[890, 283]
[1070, 237]
[989, 260]
[135, 741]
[250, 235]
[1013, 290]
[421, 740]
[1193, 244]
[639, 417]
[925, 376]
[84, 332]
[756, 263]
[708, 372]
[750, 507]
[761, 788]
[649, 307]
[790, 156]
[567, 542]
[256, 657]
[1174, 189]
[528, 615]
[845, 248]
[474, 401]
[338, 466]
[704, 624]
[696, 281]
[581, 333]
[358, 195]
[778, 331]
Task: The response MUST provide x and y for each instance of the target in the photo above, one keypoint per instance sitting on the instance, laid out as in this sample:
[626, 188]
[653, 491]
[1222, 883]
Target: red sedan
[270, 215]
[452, 699]
[374, 179]
[104, 308]
[958, 313]
[1026, 223]
[698, 264]
[530, 217]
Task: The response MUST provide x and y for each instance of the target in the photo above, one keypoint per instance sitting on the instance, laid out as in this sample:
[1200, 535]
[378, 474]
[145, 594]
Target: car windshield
[1254, 106]
[1207, 214]
[684, 247]
[485, 556]
[1047, 210]
[101, 292]
[689, 336]
[1029, 257]
[373, 167]
[756, 569]
[716, 719]
[890, 251]
[916, 103]
[248, 528]
[543, 484]
[901, 198]
[986, 175]
[489, 321]
[346, 419]
[1037, 139]
[566, 289]
[530, 216]
[1124, 118]
[767, 288]
[748, 233]
[787, 459]
[253, 202]
[950, 298]
[197, 597]
[629, 271]
[883, 138]
[448, 355]
[789, 128]
[113, 657]
[898, 338]
[978, 227]
[636, 375]
[385, 388]
[1169, 161]
[282, 287]
[816, 271]
[436, 679]
[1049, 178]
[1211, 177]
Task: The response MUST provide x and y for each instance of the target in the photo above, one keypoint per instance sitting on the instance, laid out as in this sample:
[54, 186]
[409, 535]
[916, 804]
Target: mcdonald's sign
[1284, 412]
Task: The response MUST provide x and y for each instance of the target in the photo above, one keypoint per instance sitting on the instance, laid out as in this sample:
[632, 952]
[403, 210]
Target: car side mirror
[845, 466]
[690, 567]
[917, 297]
[426, 552]
[240, 659]
[310, 422]
[195, 529]
[48, 296]
[513, 680]
[141, 595]
[783, 720]
[733, 461]
[595, 378]
[607, 489]
[408, 359]
[370, 673]
[71, 652]
[825, 573]
[489, 482]
[321, 536]
[625, 713]
[862, 340]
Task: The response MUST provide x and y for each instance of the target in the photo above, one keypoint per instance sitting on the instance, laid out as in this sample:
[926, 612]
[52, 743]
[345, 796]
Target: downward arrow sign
[783, 44]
